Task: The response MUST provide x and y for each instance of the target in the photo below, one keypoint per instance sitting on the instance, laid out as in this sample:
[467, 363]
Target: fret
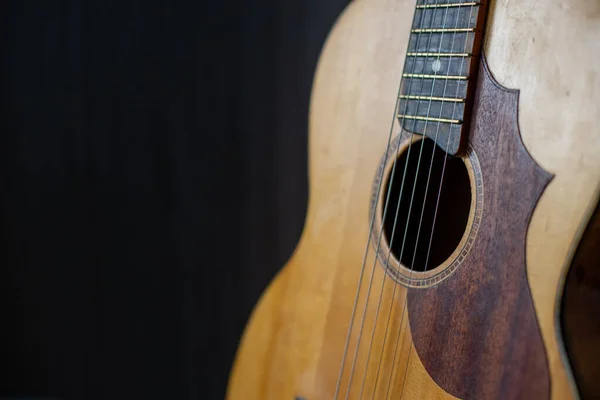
[432, 109]
[448, 5]
[442, 30]
[430, 98]
[425, 76]
[443, 48]
[439, 87]
[455, 42]
[442, 1]
[438, 54]
[433, 18]
[430, 119]
[440, 66]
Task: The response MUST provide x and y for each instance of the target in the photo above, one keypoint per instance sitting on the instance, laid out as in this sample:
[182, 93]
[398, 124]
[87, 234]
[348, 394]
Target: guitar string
[425, 199]
[439, 191]
[358, 289]
[392, 236]
[407, 223]
[381, 180]
[385, 208]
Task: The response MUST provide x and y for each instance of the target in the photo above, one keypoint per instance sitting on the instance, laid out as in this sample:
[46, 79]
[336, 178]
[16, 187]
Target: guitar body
[486, 324]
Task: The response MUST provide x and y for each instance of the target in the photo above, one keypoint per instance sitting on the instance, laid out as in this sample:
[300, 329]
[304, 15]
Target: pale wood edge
[269, 288]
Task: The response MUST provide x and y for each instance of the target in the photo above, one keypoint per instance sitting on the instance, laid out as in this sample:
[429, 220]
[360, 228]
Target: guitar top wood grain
[484, 313]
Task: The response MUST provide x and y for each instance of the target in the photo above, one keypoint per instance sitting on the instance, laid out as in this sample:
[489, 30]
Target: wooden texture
[295, 338]
[476, 333]
[444, 45]
[580, 311]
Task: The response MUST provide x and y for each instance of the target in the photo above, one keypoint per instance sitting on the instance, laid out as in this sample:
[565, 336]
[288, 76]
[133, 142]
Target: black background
[152, 180]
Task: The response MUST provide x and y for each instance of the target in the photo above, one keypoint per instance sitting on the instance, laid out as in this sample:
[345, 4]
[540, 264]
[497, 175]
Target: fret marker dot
[436, 66]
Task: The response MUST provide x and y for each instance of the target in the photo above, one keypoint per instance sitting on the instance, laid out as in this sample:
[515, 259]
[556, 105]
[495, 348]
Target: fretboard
[441, 62]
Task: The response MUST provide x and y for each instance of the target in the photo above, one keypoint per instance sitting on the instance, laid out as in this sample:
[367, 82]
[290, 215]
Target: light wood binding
[546, 50]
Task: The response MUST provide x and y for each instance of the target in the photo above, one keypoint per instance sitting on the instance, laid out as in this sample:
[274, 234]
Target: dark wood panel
[581, 311]
[476, 332]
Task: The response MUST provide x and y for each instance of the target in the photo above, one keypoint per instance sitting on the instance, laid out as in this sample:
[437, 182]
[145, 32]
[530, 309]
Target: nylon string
[445, 15]
[354, 307]
[439, 190]
[380, 235]
[394, 226]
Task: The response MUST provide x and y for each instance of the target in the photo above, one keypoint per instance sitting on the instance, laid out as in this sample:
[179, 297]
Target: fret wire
[472, 4]
[432, 18]
[432, 98]
[427, 76]
[429, 61]
[420, 118]
[442, 30]
[438, 54]
[434, 217]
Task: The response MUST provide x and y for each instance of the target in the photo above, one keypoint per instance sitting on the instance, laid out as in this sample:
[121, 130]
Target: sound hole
[411, 244]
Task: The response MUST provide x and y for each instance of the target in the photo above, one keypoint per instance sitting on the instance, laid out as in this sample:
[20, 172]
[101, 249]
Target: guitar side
[288, 349]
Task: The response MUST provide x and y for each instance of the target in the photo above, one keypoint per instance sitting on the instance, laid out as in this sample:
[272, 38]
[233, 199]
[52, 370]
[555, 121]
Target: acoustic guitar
[450, 244]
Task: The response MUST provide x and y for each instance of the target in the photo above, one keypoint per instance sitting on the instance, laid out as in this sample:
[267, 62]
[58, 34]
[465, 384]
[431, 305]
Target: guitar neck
[440, 70]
